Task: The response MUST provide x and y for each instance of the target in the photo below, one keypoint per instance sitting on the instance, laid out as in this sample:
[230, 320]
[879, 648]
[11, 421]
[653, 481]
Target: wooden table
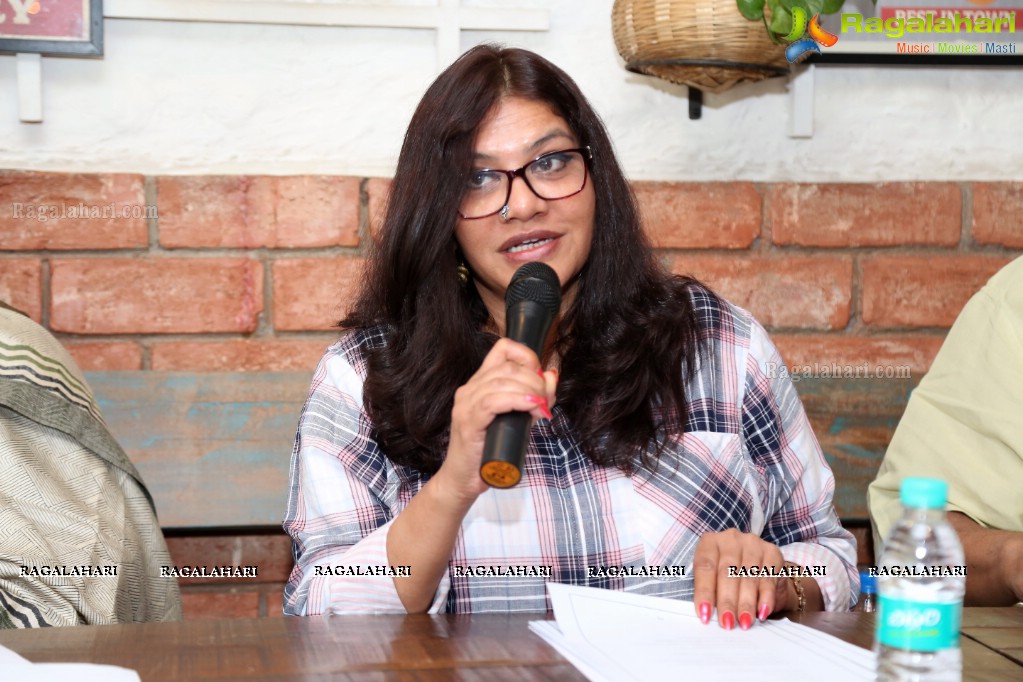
[992, 640]
[1000, 630]
[413, 648]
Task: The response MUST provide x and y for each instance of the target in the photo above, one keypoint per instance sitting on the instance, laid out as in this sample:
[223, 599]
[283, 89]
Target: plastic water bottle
[919, 614]
[868, 593]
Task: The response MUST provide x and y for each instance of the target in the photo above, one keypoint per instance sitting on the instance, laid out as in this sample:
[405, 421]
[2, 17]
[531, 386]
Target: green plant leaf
[777, 16]
[781, 21]
[775, 38]
[832, 6]
[751, 9]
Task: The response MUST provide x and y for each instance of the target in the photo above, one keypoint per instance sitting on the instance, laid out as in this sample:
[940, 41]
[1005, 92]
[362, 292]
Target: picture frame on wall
[52, 27]
[858, 44]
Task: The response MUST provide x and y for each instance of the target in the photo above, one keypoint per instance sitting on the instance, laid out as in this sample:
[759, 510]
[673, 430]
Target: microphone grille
[537, 282]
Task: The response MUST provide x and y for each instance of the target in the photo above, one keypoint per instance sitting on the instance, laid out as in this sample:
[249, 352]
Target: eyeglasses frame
[586, 152]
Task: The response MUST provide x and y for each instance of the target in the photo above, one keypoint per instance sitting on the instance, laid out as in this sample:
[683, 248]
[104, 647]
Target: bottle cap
[931, 493]
[868, 583]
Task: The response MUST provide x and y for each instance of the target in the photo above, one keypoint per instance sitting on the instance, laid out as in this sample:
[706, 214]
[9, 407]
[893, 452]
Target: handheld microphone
[533, 299]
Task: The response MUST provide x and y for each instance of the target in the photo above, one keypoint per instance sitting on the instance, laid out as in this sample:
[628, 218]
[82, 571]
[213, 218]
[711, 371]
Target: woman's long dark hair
[629, 342]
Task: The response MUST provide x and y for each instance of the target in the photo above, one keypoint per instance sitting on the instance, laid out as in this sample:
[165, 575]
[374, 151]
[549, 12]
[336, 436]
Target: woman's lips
[532, 244]
[527, 241]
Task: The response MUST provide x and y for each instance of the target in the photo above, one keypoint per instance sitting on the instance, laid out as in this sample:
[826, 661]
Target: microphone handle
[505, 449]
[507, 436]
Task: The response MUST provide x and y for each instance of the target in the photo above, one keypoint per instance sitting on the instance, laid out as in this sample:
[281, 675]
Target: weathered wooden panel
[854, 420]
[213, 448]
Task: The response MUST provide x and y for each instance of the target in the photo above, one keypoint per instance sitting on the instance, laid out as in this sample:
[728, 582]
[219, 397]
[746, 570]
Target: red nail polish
[704, 612]
[542, 404]
[728, 620]
[745, 621]
[763, 613]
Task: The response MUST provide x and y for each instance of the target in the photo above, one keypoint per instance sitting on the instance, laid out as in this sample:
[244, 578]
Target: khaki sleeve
[964, 422]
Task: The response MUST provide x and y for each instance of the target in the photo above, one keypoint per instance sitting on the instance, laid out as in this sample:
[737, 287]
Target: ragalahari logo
[801, 47]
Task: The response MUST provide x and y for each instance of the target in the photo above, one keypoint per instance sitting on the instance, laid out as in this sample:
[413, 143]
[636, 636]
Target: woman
[658, 440]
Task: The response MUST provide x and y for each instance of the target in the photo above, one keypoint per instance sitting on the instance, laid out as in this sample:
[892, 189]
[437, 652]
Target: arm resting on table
[994, 558]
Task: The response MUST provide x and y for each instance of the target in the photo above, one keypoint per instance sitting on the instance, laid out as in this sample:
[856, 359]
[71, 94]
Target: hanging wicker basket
[705, 44]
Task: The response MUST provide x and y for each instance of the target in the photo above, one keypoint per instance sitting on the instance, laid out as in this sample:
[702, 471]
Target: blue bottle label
[918, 626]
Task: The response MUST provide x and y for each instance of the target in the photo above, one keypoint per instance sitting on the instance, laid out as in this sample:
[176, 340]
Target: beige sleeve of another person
[964, 422]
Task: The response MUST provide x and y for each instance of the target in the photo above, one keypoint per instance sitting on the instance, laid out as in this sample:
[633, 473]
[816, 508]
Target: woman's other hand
[739, 600]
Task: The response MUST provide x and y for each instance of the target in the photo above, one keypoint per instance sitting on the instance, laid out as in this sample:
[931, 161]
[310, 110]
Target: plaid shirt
[747, 460]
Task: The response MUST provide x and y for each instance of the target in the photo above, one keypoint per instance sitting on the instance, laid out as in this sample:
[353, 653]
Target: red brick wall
[249, 272]
[233, 597]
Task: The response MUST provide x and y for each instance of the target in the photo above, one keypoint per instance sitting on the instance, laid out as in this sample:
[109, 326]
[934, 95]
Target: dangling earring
[463, 274]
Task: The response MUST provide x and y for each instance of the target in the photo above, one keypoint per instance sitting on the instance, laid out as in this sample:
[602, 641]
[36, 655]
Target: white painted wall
[213, 98]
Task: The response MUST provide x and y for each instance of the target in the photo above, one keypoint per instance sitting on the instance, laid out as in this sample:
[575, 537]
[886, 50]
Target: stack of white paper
[15, 667]
[617, 637]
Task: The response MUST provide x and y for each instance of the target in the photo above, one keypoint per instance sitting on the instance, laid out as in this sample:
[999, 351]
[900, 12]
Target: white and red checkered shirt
[747, 460]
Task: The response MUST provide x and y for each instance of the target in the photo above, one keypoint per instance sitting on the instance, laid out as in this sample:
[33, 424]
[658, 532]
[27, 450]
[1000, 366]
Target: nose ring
[504, 213]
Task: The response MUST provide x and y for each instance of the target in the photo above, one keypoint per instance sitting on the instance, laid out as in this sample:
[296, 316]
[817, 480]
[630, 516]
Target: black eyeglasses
[551, 176]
